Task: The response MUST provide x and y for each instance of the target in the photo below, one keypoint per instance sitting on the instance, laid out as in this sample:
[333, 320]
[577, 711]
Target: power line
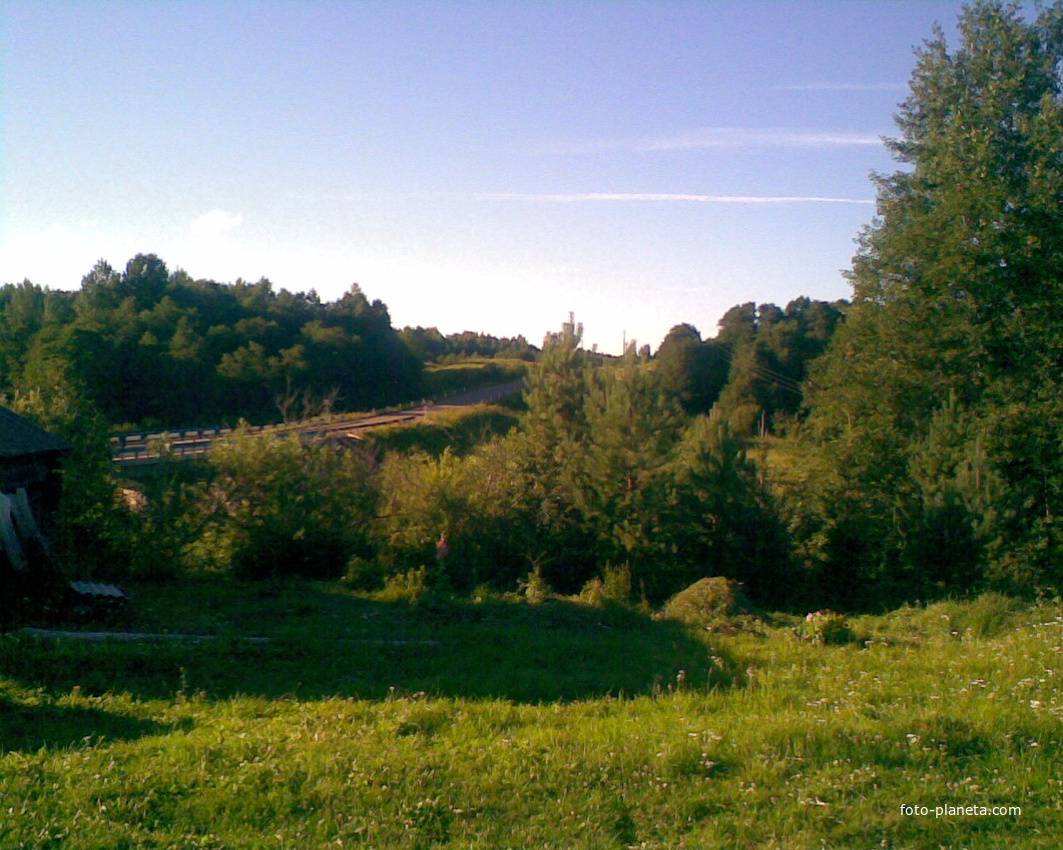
[784, 381]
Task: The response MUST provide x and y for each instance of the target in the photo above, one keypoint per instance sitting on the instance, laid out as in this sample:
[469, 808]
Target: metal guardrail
[148, 446]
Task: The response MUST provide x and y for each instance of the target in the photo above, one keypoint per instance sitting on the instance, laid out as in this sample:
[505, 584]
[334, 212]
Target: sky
[486, 166]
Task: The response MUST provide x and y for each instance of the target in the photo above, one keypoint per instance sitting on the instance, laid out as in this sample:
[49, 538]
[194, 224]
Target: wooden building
[30, 485]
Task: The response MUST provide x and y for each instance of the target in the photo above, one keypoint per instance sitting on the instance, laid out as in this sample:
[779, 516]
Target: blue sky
[487, 166]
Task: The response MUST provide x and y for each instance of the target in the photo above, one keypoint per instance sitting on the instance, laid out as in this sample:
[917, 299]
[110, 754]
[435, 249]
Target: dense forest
[155, 348]
[904, 445]
[158, 348]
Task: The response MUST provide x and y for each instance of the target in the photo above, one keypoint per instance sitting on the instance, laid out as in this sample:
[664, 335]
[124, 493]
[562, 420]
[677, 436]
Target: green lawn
[500, 724]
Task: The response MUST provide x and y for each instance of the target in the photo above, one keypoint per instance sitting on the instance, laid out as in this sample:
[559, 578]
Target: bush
[711, 603]
[613, 586]
[481, 504]
[535, 588]
[409, 586]
[825, 628]
[362, 574]
[289, 509]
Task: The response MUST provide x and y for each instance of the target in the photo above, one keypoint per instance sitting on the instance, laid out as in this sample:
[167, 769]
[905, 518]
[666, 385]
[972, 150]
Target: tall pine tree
[957, 282]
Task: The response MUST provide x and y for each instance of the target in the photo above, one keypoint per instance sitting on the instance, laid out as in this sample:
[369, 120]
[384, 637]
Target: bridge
[146, 447]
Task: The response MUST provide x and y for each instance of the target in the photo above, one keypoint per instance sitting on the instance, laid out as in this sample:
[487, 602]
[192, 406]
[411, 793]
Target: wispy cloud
[744, 137]
[722, 138]
[841, 87]
[216, 223]
[576, 197]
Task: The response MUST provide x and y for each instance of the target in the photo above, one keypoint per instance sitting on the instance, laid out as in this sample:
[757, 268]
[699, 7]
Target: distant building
[30, 484]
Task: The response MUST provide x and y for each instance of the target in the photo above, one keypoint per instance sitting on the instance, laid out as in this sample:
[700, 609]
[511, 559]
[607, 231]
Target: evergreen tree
[556, 389]
[724, 521]
[957, 283]
[621, 479]
[550, 447]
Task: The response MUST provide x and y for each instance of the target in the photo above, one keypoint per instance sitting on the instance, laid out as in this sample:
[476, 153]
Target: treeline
[429, 345]
[753, 371]
[610, 472]
[151, 346]
[158, 348]
[934, 449]
[926, 458]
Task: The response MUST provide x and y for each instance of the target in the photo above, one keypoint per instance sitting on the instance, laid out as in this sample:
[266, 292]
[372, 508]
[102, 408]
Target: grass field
[316, 718]
[442, 380]
[459, 430]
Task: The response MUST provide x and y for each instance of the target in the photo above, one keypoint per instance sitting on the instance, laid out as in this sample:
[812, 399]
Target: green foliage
[613, 587]
[825, 628]
[459, 430]
[691, 371]
[928, 459]
[716, 604]
[429, 345]
[286, 509]
[987, 616]
[953, 291]
[444, 380]
[556, 389]
[148, 345]
[91, 537]
[616, 463]
[754, 368]
[479, 503]
[620, 479]
[535, 588]
[958, 523]
[725, 522]
[409, 586]
[604, 470]
[167, 516]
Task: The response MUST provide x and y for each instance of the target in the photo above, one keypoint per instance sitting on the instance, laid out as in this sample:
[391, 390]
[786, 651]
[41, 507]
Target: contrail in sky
[841, 87]
[668, 196]
[723, 138]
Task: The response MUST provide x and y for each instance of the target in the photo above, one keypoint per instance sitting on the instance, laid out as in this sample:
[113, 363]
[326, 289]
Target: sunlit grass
[761, 740]
[458, 429]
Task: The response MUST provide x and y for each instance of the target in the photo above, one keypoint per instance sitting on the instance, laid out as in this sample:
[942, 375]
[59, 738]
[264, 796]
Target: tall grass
[460, 430]
[501, 724]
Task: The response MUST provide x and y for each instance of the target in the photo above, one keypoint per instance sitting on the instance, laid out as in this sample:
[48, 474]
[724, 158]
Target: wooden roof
[20, 437]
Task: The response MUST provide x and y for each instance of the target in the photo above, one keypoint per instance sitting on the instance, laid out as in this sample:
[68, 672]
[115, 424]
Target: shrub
[409, 586]
[825, 628]
[535, 588]
[481, 503]
[289, 508]
[711, 603]
[362, 574]
[613, 586]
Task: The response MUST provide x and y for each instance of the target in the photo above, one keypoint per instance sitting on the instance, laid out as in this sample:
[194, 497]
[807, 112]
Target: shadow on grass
[27, 727]
[315, 642]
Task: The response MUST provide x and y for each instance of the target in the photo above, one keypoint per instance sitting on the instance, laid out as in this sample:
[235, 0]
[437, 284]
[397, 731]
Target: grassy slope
[441, 380]
[507, 725]
[460, 430]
